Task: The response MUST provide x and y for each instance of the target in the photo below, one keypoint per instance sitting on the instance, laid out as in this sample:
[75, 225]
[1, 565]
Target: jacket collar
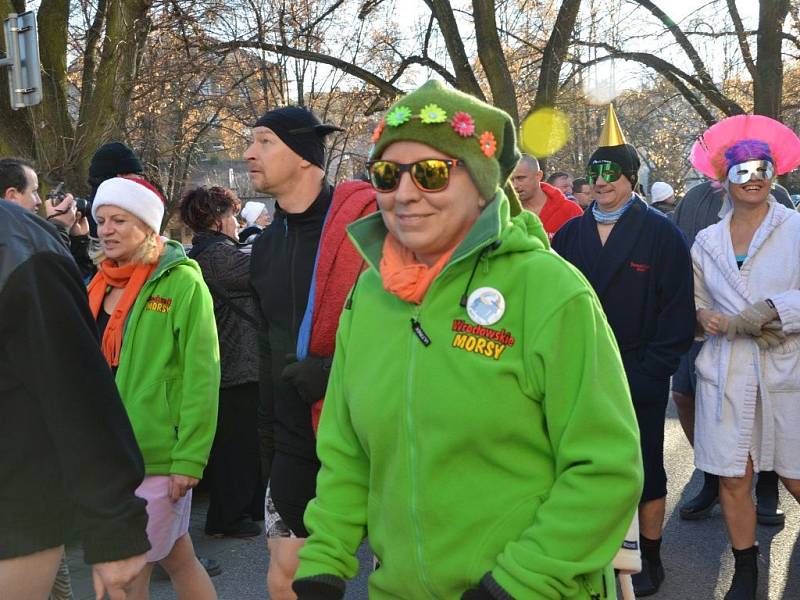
[720, 246]
[313, 215]
[623, 237]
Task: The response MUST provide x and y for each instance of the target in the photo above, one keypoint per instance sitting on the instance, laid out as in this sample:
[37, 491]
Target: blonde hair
[147, 253]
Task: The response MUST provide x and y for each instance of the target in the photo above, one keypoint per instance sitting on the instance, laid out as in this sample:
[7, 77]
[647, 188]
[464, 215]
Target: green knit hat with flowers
[460, 126]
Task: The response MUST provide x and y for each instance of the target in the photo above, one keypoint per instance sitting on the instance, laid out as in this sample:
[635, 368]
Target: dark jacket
[226, 269]
[643, 277]
[78, 246]
[66, 445]
[281, 269]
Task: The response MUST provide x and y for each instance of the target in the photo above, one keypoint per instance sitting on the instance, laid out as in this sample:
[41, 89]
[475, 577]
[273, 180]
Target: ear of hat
[134, 195]
[460, 126]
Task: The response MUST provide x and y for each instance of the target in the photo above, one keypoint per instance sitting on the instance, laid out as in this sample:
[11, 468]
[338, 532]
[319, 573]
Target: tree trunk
[553, 58]
[490, 52]
[465, 76]
[127, 25]
[768, 86]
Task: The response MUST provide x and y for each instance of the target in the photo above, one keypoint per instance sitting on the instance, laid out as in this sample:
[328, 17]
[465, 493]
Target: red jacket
[557, 210]
[338, 266]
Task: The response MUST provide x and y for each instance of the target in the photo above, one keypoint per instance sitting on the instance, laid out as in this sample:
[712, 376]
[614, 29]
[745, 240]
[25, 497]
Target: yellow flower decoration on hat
[432, 113]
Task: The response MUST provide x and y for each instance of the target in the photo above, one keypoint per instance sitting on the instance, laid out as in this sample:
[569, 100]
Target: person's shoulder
[23, 233]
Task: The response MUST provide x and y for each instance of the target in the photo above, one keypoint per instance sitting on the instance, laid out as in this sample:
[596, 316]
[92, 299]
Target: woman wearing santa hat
[747, 293]
[156, 322]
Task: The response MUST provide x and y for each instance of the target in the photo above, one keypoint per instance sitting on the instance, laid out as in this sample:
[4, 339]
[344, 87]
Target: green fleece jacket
[168, 373]
[510, 449]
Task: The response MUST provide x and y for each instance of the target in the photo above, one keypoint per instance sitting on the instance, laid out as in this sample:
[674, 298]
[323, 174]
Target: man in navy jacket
[639, 265]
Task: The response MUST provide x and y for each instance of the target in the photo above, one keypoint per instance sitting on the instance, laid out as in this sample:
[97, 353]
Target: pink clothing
[167, 521]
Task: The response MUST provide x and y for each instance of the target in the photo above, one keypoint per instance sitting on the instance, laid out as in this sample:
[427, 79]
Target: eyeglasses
[607, 171]
[429, 175]
[752, 169]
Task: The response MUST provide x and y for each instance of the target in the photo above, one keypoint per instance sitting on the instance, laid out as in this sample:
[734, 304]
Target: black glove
[477, 593]
[488, 589]
[320, 587]
[309, 376]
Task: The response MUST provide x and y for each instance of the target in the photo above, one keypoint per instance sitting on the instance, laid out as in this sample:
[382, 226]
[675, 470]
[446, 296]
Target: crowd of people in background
[365, 356]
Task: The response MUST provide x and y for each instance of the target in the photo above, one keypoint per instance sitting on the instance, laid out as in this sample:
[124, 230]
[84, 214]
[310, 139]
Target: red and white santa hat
[133, 194]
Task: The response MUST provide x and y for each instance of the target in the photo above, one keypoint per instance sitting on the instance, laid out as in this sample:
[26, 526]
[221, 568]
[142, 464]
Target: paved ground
[696, 554]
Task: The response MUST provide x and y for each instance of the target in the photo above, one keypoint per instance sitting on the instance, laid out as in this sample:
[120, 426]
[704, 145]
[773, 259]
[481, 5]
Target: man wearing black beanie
[113, 159]
[638, 263]
[287, 161]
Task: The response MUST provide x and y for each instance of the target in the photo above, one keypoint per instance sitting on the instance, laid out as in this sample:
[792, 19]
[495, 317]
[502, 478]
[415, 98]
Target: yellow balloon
[544, 132]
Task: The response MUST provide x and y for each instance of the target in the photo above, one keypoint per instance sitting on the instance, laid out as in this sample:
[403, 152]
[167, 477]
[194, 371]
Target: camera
[56, 196]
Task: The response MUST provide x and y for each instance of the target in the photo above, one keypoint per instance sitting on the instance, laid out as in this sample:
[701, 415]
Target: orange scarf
[131, 278]
[403, 276]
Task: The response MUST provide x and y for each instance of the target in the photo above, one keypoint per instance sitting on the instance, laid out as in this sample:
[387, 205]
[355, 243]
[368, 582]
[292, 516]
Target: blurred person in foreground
[747, 293]
[156, 322]
[462, 318]
[68, 456]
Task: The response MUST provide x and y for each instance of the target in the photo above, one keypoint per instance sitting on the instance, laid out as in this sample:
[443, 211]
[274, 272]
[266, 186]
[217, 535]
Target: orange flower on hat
[376, 133]
[488, 144]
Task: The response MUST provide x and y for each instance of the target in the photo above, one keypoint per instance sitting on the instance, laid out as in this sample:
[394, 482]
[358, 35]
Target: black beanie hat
[624, 155]
[301, 130]
[112, 159]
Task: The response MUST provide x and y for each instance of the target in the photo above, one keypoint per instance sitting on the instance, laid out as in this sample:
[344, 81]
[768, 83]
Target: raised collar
[314, 214]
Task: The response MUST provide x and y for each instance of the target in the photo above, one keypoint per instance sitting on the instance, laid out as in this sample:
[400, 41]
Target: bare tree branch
[387, 89]
[741, 36]
[491, 55]
[465, 76]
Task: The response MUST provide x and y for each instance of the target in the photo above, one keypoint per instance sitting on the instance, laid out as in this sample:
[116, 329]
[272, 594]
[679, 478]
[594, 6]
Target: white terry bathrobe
[748, 400]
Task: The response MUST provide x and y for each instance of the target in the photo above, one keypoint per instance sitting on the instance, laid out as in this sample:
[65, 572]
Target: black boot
[745, 577]
[767, 510]
[701, 505]
[650, 578]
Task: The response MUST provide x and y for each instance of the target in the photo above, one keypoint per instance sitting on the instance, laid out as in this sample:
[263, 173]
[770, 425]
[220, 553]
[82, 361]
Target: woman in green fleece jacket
[477, 423]
[158, 334]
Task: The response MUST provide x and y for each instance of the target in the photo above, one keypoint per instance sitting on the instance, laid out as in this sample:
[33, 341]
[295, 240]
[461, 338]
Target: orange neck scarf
[130, 278]
[403, 275]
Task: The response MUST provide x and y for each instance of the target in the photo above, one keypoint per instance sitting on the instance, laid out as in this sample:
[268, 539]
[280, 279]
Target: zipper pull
[420, 333]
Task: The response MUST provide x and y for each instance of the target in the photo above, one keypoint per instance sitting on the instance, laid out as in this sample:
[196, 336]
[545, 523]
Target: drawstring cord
[493, 246]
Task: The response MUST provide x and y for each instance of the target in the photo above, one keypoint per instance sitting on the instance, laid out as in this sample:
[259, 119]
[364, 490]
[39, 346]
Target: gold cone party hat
[612, 133]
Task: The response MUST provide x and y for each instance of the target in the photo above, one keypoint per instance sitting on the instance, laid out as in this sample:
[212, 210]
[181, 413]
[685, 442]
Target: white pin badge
[486, 306]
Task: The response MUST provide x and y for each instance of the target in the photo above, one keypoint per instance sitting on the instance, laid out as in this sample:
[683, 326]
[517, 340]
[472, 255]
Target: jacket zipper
[413, 455]
[292, 283]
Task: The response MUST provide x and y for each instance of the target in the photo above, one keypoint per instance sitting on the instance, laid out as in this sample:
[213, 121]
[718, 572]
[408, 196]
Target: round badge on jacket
[486, 306]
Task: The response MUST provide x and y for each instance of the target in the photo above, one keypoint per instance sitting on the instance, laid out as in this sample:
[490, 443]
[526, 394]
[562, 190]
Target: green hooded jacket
[168, 373]
[510, 449]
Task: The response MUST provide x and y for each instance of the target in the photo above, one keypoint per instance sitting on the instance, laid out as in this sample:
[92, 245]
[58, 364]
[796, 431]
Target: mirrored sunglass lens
[608, 172]
[431, 175]
[384, 175]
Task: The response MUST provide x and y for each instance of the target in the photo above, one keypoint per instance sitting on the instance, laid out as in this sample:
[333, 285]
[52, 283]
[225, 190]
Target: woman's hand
[179, 485]
[713, 323]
